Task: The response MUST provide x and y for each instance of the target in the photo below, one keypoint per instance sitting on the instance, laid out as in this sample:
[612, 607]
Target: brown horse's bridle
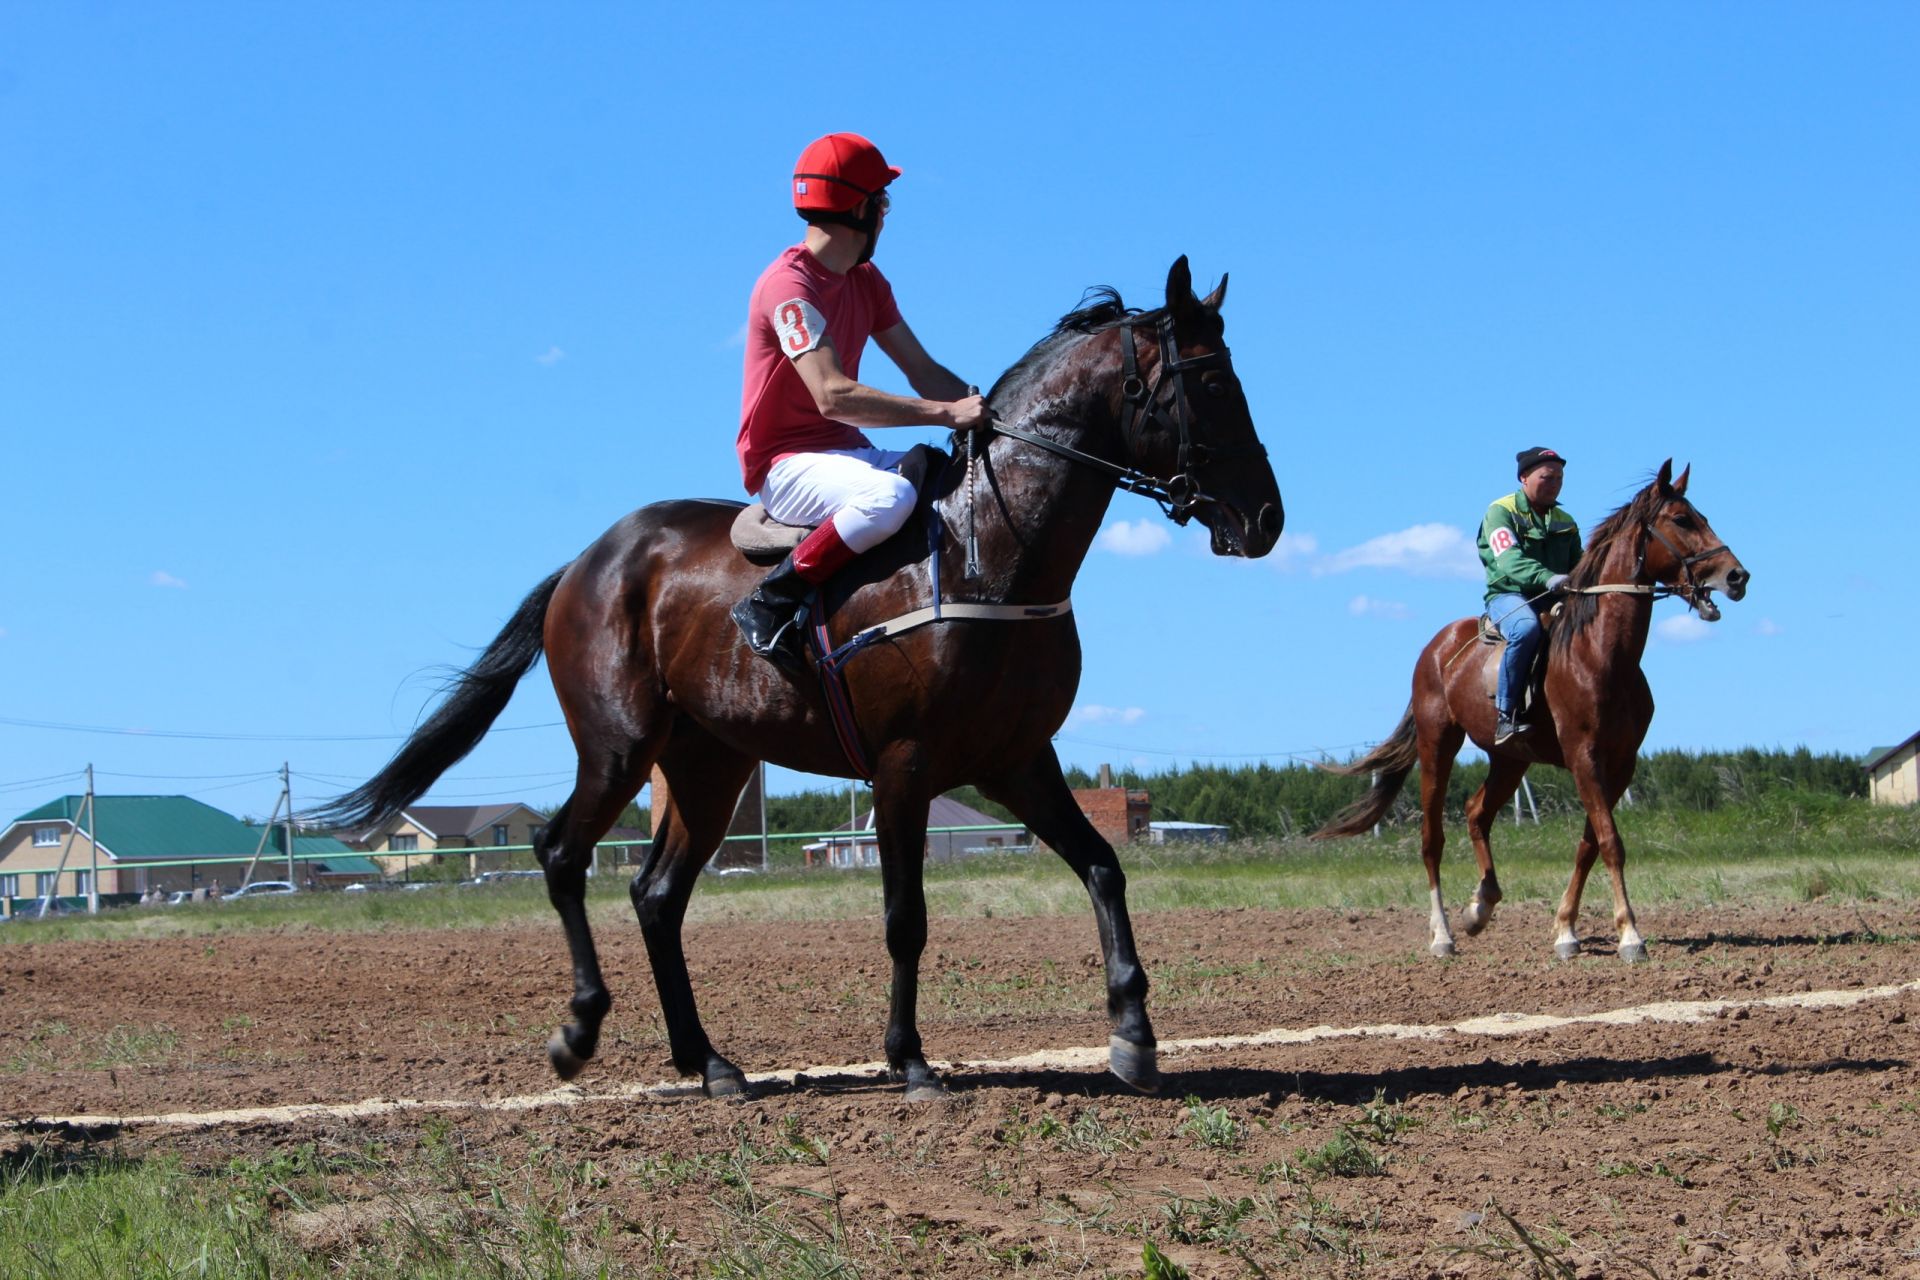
[1693, 587]
[1179, 497]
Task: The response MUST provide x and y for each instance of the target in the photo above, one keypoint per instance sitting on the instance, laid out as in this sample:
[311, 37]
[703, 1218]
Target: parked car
[504, 877]
[262, 889]
[179, 896]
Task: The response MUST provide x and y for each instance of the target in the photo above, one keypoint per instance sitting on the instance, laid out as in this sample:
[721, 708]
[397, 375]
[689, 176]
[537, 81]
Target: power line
[246, 737]
[1312, 754]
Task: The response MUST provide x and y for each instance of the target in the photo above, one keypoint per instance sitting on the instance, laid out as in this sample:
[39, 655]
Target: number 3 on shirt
[800, 326]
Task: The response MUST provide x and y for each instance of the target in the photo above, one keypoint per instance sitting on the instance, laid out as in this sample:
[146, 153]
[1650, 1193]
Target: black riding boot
[1507, 726]
[769, 618]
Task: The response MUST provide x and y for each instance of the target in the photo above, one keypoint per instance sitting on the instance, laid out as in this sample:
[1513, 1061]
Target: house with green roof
[155, 842]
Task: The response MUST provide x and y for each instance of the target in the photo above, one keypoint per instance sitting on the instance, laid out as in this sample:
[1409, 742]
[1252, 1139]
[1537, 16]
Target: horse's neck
[1036, 513]
[1617, 636]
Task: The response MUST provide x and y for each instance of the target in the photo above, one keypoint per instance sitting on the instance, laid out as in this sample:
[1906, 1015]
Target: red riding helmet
[837, 172]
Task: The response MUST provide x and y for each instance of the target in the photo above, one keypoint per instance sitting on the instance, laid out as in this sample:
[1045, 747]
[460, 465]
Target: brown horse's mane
[1578, 610]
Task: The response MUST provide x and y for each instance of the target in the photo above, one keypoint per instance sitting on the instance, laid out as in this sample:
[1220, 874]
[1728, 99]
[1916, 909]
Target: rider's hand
[1556, 584]
[969, 413]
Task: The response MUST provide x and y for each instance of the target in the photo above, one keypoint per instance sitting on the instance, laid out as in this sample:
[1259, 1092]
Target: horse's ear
[1218, 297]
[1179, 286]
[1680, 485]
[1663, 482]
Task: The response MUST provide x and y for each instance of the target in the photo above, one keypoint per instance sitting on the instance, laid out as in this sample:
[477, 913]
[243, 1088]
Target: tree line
[1294, 799]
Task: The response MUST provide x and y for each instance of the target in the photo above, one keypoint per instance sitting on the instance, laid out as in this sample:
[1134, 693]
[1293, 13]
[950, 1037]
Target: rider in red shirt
[802, 453]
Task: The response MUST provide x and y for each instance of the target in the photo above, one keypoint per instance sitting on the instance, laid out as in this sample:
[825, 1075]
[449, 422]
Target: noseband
[1179, 497]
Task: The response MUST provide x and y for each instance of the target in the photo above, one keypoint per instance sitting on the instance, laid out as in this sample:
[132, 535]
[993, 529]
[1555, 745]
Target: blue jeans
[1518, 623]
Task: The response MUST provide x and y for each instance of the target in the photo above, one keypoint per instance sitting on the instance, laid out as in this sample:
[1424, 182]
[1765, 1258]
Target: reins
[1654, 590]
[1178, 497]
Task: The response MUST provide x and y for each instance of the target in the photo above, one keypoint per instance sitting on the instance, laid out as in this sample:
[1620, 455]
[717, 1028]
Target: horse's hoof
[727, 1085]
[927, 1091]
[1441, 950]
[1136, 1065]
[566, 1063]
[1475, 921]
[1634, 953]
[1566, 950]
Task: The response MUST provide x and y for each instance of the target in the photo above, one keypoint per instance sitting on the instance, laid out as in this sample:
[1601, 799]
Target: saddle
[764, 540]
[1496, 645]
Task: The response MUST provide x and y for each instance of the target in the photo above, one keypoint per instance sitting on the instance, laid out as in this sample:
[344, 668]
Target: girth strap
[831, 660]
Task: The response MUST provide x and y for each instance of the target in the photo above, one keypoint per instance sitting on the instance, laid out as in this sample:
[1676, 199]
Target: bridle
[1692, 590]
[1179, 497]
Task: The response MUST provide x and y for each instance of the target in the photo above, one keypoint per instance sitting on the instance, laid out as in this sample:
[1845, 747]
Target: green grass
[1785, 847]
[80, 1215]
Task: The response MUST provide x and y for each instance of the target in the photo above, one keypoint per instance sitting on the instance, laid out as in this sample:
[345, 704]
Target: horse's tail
[474, 701]
[1389, 763]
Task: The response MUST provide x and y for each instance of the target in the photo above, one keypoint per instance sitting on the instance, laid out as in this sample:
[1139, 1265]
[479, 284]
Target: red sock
[821, 553]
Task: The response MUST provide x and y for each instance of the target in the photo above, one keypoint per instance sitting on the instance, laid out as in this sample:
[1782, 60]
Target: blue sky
[329, 330]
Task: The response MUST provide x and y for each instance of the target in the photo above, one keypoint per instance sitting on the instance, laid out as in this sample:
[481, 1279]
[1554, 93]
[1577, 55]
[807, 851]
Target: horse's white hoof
[1567, 950]
[1137, 1065]
[1441, 950]
[1634, 952]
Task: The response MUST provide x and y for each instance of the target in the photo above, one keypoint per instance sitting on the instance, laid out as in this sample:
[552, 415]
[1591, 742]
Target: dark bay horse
[649, 668]
[1598, 705]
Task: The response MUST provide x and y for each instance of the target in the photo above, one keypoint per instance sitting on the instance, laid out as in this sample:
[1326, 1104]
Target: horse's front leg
[900, 802]
[1040, 798]
[1598, 797]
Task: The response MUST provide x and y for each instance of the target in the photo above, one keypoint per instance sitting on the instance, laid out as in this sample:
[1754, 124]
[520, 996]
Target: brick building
[1120, 814]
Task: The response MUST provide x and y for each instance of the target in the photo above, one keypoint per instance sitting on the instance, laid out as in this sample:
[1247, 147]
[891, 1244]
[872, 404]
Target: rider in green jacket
[1528, 546]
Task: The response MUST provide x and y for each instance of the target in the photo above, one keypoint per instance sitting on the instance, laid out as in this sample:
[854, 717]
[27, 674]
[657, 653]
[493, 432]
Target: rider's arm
[841, 398]
[926, 375]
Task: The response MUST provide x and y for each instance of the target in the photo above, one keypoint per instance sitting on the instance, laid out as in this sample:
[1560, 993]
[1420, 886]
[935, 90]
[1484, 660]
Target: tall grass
[1782, 846]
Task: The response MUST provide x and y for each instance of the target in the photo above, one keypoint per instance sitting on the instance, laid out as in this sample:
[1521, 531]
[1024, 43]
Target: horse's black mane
[1578, 610]
[1100, 309]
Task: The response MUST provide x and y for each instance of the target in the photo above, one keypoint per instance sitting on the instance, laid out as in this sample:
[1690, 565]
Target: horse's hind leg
[1503, 779]
[1038, 796]
[704, 782]
[603, 786]
[1436, 766]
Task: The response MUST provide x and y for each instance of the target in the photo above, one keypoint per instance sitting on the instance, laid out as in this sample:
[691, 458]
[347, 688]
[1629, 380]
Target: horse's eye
[1215, 386]
[1685, 521]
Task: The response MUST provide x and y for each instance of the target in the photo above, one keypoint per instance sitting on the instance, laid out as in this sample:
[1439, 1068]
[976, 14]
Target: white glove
[1556, 583]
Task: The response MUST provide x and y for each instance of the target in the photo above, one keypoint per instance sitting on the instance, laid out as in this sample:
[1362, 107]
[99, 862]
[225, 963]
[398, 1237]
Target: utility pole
[93, 847]
[286, 793]
[765, 862]
[66, 848]
[266, 829]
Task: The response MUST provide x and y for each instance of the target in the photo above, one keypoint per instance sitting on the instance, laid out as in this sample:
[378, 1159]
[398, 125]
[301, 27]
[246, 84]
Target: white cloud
[1764, 627]
[1094, 713]
[1292, 551]
[739, 338]
[1683, 628]
[1425, 551]
[1140, 538]
[1368, 607]
[161, 578]
[551, 357]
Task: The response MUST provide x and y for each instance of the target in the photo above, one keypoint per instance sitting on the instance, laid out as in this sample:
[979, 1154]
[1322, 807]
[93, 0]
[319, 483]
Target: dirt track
[1764, 1141]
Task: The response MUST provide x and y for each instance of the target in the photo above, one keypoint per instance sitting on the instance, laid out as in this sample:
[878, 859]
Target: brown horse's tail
[474, 701]
[1389, 763]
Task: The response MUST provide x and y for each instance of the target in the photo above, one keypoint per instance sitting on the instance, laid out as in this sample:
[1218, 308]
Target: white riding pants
[854, 488]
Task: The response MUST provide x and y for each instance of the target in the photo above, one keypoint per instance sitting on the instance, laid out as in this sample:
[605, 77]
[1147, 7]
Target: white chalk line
[1497, 1024]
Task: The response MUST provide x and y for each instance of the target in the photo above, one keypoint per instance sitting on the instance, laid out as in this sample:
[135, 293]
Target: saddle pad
[1490, 669]
[762, 538]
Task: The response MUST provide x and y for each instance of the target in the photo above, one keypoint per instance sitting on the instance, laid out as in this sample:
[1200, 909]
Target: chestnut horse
[1598, 705]
[650, 670]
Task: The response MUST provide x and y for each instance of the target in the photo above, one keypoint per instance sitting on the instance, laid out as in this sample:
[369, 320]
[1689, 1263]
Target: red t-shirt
[795, 302]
